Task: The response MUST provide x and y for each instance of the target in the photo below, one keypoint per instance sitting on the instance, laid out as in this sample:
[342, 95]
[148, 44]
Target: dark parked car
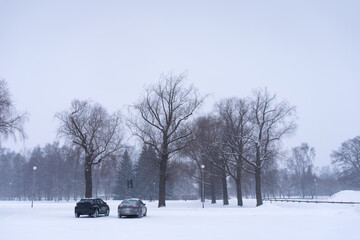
[132, 207]
[91, 207]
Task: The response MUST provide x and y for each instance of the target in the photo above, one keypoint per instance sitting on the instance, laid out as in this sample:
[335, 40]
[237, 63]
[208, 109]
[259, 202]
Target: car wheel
[119, 215]
[77, 215]
[140, 214]
[145, 213]
[107, 212]
[96, 214]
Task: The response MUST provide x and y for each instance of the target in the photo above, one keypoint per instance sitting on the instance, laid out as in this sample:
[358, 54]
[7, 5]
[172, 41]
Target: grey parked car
[132, 207]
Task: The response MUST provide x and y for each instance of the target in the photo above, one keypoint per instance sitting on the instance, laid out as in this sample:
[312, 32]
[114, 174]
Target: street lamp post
[154, 192]
[202, 185]
[10, 197]
[33, 190]
[185, 188]
[251, 187]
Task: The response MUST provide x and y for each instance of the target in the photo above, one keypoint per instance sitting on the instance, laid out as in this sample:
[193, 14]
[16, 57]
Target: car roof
[89, 199]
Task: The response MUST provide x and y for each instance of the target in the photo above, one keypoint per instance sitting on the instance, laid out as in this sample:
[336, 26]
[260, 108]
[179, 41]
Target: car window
[129, 202]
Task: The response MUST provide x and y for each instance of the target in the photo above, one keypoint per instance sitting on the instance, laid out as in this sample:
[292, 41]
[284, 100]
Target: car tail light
[135, 206]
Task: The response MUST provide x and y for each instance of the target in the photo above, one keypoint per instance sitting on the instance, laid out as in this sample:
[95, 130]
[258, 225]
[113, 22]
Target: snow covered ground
[186, 220]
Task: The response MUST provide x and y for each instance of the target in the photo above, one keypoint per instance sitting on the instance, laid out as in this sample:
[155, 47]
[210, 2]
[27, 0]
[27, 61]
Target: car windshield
[129, 202]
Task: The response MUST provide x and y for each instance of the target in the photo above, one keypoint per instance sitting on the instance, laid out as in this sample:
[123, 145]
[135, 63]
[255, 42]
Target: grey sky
[305, 51]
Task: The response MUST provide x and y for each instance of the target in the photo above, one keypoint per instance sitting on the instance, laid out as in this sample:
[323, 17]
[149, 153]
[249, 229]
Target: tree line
[236, 149]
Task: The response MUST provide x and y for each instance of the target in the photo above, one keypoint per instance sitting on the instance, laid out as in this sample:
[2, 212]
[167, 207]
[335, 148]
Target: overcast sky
[307, 52]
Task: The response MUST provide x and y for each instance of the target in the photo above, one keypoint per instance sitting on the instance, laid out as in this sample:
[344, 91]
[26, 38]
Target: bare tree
[347, 158]
[206, 150]
[271, 121]
[11, 123]
[235, 117]
[164, 112]
[90, 127]
[299, 164]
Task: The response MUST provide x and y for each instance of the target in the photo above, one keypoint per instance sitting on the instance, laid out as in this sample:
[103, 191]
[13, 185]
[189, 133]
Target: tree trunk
[212, 189]
[302, 187]
[88, 177]
[162, 180]
[258, 186]
[258, 177]
[238, 192]
[224, 188]
[238, 186]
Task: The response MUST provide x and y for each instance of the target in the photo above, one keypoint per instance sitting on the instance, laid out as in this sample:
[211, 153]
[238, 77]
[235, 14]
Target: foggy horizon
[305, 52]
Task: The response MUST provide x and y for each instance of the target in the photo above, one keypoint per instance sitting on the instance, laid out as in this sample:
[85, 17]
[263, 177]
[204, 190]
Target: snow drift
[346, 196]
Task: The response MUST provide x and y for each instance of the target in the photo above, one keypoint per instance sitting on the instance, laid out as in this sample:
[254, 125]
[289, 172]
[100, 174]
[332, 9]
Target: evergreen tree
[124, 185]
[147, 174]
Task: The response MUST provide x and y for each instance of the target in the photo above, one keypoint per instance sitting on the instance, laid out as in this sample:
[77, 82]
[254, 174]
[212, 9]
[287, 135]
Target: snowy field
[186, 220]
